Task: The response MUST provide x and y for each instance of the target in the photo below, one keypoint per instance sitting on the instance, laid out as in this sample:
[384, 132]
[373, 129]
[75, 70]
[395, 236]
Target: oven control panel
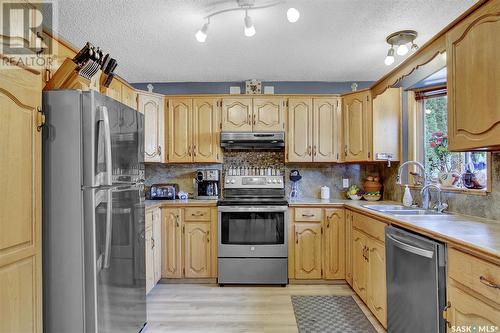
[254, 182]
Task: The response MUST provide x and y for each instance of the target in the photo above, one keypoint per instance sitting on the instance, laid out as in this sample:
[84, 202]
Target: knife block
[67, 77]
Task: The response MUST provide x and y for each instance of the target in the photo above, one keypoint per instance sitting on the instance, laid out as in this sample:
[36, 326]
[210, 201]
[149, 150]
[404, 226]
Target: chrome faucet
[425, 195]
[440, 206]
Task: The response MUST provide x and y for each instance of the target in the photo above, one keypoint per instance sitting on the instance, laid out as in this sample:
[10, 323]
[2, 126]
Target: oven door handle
[238, 209]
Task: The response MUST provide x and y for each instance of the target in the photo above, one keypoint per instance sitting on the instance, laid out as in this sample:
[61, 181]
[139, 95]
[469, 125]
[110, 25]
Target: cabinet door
[20, 201]
[157, 244]
[467, 310]
[387, 123]
[197, 256]
[334, 244]
[268, 114]
[129, 97]
[326, 130]
[152, 106]
[180, 130]
[348, 248]
[206, 133]
[150, 275]
[473, 49]
[171, 243]
[357, 126]
[237, 114]
[359, 265]
[377, 288]
[308, 250]
[299, 130]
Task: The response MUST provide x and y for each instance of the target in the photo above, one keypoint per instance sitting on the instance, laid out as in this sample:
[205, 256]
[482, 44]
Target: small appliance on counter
[206, 184]
[163, 191]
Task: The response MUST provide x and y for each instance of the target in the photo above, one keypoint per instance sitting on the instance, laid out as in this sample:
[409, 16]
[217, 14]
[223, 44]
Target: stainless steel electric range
[253, 244]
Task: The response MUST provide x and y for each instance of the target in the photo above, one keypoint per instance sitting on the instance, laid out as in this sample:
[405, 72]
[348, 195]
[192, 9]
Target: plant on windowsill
[439, 143]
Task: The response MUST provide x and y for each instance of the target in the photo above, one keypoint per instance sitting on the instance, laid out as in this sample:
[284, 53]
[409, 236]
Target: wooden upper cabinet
[152, 106]
[357, 126]
[299, 137]
[327, 118]
[237, 114]
[206, 130]
[171, 242]
[377, 286]
[197, 249]
[308, 250]
[180, 112]
[129, 96]
[472, 53]
[268, 114]
[387, 123]
[20, 201]
[359, 267]
[334, 244]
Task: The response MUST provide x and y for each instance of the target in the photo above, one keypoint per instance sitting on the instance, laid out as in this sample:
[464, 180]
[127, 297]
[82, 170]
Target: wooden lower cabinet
[317, 243]
[152, 237]
[359, 267]
[334, 244]
[197, 254]
[466, 309]
[348, 248]
[171, 243]
[308, 250]
[188, 239]
[368, 265]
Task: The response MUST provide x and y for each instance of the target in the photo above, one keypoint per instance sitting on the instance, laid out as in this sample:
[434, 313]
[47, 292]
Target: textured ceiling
[334, 40]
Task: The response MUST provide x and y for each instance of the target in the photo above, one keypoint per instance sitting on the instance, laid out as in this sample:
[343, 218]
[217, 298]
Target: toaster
[163, 191]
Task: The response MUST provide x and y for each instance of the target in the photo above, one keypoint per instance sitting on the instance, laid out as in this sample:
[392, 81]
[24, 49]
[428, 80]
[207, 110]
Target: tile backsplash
[475, 205]
[313, 175]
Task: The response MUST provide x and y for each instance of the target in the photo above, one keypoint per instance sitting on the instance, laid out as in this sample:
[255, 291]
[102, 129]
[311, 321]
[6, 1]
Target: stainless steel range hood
[252, 140]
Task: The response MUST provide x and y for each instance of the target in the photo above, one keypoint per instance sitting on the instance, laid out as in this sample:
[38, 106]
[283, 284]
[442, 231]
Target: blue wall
[282, 87]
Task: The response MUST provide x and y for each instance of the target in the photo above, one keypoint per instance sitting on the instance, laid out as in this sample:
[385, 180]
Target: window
[451, 170]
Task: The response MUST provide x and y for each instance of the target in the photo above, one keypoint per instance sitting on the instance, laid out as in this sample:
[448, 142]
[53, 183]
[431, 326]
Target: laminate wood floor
[210, 308]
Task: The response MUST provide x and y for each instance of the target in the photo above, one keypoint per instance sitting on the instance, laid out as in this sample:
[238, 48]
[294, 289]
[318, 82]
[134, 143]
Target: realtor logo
[21, 28]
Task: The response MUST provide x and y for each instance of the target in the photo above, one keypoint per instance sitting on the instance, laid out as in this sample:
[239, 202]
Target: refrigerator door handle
[412, 249]
[104, 117]
[109, 231]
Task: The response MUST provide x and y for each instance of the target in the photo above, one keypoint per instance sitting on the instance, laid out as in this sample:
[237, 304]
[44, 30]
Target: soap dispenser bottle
[407, 198]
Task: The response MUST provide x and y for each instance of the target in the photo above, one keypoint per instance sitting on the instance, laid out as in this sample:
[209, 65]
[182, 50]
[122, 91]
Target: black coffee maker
[207, 184]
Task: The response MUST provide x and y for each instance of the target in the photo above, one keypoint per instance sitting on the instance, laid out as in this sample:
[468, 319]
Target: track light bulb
[249, 28]
[389, 59]
[292, 15]
[414, 47]
[402, 50]
[201, 35]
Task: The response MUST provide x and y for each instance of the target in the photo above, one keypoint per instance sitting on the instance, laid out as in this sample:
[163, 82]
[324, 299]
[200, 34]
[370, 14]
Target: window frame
[416, 142]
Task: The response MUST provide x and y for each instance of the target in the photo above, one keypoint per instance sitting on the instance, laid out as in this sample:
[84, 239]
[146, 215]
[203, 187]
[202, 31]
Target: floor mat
[332, 314]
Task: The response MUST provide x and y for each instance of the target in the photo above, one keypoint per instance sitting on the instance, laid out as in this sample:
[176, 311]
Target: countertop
[180, 203]
[478, 235]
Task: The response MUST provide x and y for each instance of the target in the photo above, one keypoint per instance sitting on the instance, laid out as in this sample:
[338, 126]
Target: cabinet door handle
[309, 150]
[208, 236]
[189, 150]
[307, 215]
[159, 150]
[314, 150]
[254, 119]
[197, 214]
[489, 283]
[194, 150]
[249, 119]
[345, 150]
[152, 243]
[296, 237]
[177, 221]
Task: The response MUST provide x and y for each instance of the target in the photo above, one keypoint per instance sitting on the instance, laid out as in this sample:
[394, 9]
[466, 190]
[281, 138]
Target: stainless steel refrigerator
[93, 214]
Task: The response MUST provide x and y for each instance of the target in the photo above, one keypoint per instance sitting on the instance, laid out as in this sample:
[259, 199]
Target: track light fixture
[292, 15]
[400, 40]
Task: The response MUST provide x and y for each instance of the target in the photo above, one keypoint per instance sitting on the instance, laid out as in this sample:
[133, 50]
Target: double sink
[399, 210]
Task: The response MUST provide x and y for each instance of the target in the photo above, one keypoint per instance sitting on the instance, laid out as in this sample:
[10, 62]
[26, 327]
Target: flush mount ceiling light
[400, 40]
[292, 15]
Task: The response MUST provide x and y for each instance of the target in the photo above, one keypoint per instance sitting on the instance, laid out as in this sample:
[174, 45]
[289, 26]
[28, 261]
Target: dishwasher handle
[411, 248]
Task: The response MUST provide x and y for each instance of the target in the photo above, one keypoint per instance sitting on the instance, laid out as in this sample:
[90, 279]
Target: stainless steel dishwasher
[416, 282]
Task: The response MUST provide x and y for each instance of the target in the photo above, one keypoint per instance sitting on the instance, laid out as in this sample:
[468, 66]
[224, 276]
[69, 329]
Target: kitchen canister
[325, 192]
